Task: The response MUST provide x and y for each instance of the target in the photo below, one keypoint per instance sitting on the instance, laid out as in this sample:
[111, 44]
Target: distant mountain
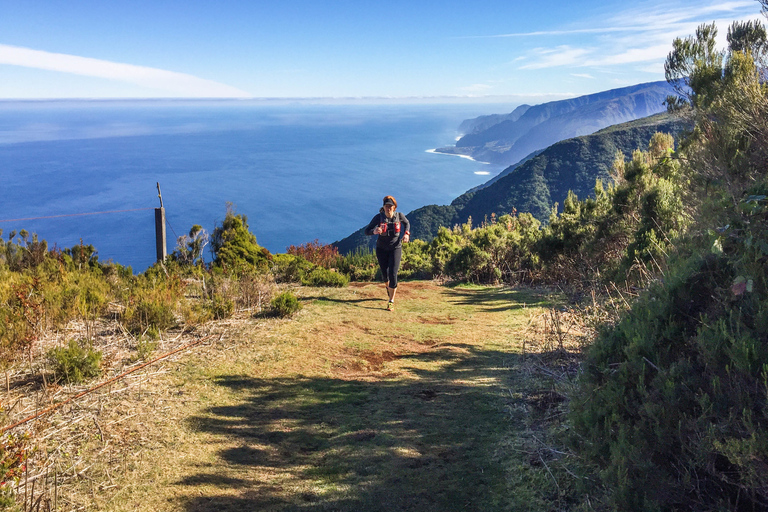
[507, 139]
[539, 182]
[482, 123]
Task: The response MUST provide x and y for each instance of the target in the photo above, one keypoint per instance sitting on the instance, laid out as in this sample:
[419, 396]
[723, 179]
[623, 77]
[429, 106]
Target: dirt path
[345, 407]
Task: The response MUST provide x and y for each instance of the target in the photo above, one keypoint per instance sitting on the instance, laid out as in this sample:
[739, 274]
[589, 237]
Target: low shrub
[416, 263]
[255, 290]
[155, 314]
[220, 307]
[326, 256]
[285, 305]
[76, 362]
[359, 265]
[17, 324]
[145, 347]
[323, 277]
[290, 268]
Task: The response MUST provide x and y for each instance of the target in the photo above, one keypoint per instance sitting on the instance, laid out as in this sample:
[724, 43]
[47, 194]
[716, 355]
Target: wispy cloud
[632, 55]
[181, 84]
[583, 75]
[654, 17]
[639, 35]
[552, 57]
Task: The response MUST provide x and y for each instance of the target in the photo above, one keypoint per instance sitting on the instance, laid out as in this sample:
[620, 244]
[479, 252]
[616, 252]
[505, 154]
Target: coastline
[479, 173]
[439, 152]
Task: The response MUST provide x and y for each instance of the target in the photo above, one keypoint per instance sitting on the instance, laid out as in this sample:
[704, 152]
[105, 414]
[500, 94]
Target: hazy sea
[299, 172]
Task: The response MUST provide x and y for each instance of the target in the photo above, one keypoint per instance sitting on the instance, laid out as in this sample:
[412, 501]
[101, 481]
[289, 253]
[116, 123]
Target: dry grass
[344, 407]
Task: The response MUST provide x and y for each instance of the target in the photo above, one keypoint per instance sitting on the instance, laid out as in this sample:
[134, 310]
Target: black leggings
[389, 262]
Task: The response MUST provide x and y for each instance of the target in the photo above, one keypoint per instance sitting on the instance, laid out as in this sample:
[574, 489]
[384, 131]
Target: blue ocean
[87, 171]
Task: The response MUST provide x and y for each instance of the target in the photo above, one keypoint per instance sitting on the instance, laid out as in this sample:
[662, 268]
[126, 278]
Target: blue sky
[511, 50]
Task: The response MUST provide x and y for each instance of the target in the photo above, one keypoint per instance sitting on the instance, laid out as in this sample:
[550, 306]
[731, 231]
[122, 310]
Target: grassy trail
[345, 407]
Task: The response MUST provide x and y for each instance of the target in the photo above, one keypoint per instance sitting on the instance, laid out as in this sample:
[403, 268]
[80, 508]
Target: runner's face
[389, 210]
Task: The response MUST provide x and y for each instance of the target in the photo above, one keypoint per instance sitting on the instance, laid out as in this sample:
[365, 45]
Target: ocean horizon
[298, 172]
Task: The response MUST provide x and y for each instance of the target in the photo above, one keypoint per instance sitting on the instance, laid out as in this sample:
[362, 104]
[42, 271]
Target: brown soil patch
[376, 360]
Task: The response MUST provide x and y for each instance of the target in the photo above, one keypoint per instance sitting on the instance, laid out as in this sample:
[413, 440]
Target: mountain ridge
[508, 138]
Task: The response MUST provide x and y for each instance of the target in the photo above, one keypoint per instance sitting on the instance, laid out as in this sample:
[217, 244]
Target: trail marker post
[162, 251]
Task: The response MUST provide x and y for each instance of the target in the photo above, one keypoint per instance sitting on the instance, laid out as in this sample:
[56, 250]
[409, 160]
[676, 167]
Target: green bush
[416, 263]
[8, 500]
[76, 362]
[442, 248]
[154, 314]
[296, 269]
[359, 265]
[285, 305]
[145, 347]
[290, 268]
[323, 277]
[220, 307]
[235, 247]
[673, 402]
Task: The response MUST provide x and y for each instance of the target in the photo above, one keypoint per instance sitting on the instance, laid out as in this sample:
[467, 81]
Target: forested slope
[539, 182]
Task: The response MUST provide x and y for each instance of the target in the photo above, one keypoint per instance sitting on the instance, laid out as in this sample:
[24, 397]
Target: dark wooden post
[162, 251]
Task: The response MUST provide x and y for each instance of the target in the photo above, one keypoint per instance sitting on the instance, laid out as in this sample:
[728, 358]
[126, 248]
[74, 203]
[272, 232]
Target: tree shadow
[498, 299]
[328, 444]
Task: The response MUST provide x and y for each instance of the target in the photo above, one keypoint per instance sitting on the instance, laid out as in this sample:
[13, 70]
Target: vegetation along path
[345, 407]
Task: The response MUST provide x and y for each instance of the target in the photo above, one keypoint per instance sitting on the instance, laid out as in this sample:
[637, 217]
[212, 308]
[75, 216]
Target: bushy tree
[234, 246]
[566, 247]
[725, 92]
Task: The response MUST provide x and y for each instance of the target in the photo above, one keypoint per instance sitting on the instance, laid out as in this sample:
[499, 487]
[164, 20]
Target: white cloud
[653, 17]
[638, 35]
[182, 84]
[582, 75]
[563, 55]
[633, 55]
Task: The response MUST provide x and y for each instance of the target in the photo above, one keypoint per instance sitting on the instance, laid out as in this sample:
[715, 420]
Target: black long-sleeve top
[397, 226]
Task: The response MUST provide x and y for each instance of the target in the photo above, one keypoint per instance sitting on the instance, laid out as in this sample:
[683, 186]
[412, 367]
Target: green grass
[348, 407]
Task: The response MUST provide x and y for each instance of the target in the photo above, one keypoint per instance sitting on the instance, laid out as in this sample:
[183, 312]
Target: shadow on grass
[358, 303]
[498, 299]
[325, 444]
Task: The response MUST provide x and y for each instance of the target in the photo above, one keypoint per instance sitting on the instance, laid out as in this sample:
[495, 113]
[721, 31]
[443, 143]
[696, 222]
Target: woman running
[393, 229]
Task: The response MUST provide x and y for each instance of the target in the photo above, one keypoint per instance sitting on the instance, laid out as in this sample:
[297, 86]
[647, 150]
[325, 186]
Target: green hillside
[572, 164]
[538, 183]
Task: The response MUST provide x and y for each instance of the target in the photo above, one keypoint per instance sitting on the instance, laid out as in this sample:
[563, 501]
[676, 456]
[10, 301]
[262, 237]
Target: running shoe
[390, 306]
